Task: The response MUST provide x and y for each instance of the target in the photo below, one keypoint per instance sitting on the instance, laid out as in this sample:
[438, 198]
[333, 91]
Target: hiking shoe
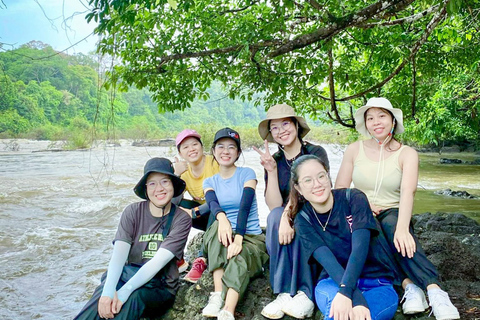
[299, 307]
[198, 266]
[225, 315]
[442, 307]
[215, 303]
[415, 300]
[273, 310]
[182, 266]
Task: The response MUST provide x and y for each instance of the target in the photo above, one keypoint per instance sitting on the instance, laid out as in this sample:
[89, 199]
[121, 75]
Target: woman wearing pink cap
[194, 168]
[387, 172]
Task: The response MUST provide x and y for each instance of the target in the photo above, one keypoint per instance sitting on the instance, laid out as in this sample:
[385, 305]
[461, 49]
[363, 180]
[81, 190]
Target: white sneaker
[225, 315]
[273, 310]
[299, 307]
[415, 300]
[215, 303]
[442, 307]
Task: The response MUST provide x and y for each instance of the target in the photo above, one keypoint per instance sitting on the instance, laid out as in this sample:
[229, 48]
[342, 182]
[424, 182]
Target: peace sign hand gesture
[266, 159]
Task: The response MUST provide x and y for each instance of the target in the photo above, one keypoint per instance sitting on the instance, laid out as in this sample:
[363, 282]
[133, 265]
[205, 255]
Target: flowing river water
[59, 212]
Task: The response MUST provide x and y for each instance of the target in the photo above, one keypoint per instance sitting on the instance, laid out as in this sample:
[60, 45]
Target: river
[59, 212]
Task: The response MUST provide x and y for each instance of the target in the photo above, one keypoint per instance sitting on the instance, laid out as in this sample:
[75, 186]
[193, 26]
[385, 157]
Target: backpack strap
[166, 230]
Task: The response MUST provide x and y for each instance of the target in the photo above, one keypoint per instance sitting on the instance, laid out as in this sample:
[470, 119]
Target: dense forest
[325, 58]
[45, 95]
[53, 96]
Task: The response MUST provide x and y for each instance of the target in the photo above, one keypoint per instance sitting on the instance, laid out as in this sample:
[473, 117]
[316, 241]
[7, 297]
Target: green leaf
[173, 4]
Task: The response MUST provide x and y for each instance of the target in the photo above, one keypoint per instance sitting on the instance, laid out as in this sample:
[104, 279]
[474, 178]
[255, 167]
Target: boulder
[458, 194]
[451, 242]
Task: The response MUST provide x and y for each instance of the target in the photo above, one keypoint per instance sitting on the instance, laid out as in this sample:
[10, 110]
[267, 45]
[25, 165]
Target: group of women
[343, 249]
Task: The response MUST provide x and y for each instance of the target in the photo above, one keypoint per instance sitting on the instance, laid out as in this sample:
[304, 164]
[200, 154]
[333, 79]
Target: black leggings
[418, 268]
[142, 303]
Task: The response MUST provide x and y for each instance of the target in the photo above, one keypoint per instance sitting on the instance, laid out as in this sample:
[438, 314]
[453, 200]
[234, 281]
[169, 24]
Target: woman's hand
[404, 243]
[285, 231]
[116, 305]
[105, 306]
[180, 166]
[375, 210]
[266, 159]
[341, 308]
[361, 313]
[224, 229]
[236, 247]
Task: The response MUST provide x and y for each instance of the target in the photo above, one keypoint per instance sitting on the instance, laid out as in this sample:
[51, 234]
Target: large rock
[451, 242]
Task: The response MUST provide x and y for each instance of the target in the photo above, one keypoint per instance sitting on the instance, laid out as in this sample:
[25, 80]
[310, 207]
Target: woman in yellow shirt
[194, 167]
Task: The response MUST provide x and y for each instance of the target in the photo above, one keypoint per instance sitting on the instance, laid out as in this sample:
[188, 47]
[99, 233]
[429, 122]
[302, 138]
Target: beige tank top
[364, 178]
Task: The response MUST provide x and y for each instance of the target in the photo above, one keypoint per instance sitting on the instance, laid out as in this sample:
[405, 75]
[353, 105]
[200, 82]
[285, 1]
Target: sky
[59, 23]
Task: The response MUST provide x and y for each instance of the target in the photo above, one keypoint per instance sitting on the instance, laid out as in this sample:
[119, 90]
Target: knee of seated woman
[274, 217]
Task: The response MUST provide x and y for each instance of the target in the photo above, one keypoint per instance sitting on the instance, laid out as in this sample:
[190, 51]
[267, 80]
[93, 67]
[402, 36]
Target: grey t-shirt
[144, 233]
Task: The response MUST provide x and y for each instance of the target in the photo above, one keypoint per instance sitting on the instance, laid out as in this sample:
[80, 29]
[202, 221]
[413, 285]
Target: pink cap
[186, 134]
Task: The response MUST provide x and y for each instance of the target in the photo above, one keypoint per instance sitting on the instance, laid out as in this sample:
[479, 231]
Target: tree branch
[315, 4]
[416, 47]
[409, 19]
[414, 86]
[199, 54]
[334, 28]
[238, 10]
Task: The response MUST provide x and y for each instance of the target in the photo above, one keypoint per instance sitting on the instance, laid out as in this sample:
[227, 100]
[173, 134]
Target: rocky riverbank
[451, 242]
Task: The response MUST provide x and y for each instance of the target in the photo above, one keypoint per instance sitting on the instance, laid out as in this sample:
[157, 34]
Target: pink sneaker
[198, 266]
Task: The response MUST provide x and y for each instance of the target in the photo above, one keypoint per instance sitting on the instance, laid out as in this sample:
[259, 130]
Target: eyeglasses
[308, 182]
[221, 147]
[285, 125]
[152, 185]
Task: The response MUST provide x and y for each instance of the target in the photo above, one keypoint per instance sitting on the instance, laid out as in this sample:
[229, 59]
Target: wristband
[195, 213]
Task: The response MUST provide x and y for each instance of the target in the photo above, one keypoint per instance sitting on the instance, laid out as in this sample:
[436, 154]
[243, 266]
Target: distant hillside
[46, 95]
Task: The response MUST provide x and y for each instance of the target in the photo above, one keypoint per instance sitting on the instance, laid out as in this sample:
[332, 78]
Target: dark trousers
[289, 268]
[142, 303]
[418, 268]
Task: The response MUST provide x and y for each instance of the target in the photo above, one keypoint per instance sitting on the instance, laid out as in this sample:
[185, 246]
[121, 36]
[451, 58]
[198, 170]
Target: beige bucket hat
[280, 111]
[378, 103]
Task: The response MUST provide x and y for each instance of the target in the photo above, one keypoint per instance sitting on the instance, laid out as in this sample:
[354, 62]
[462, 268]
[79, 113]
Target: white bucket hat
[378, 103]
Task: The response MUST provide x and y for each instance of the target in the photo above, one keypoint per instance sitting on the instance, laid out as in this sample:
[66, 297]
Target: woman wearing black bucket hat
[142, 276]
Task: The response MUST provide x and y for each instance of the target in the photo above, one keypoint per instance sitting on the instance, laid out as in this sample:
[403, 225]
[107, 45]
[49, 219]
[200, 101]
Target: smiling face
[159, 189]
[379, 123]
[284, 131]
[226, 152]
[191, 150]
[314, 183]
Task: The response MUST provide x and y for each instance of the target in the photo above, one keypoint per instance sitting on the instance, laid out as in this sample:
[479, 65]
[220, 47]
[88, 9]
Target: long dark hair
[295, 198]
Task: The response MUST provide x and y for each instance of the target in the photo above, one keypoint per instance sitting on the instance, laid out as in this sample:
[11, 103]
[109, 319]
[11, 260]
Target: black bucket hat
[160, 165]
[227, 133]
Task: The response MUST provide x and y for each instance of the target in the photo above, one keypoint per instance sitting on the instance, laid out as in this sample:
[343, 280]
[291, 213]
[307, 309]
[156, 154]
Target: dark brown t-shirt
[144, 233]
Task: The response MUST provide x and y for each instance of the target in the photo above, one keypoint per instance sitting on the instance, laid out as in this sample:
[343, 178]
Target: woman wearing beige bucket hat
[387, 172]
[290, 275]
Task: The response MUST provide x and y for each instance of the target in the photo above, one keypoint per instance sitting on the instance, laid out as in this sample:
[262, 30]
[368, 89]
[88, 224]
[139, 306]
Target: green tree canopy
[323, 57]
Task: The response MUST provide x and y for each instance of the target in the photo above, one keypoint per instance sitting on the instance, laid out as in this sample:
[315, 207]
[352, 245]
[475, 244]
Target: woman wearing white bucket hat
[387, 172]
[290, 275]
